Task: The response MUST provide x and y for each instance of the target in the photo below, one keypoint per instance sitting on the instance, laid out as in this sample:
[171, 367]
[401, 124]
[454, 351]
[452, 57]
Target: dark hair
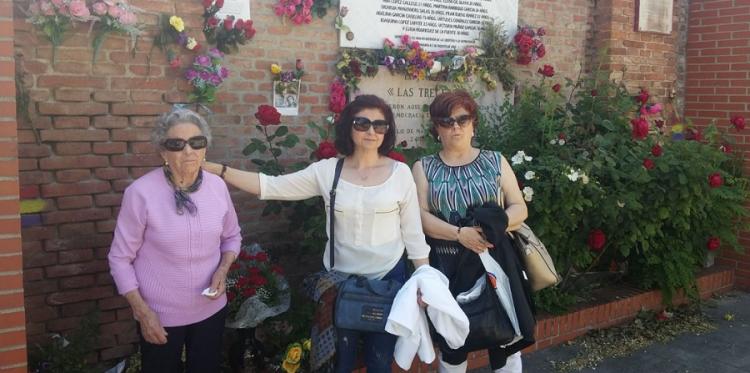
[446, 102]
[344, 142]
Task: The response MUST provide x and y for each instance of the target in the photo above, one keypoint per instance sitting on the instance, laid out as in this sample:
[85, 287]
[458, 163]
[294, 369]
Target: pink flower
[128, 18]
[738, 121]
[100, 8]
[405, 39]
[654, 109]
[114, 11]
[556, 87]
[79, 9]
[657, 150]
[548, 71]
[643, 96]
[47, 8]
[640, 128]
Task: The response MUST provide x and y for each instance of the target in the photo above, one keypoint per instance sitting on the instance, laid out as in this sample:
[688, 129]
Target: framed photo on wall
[654, 16]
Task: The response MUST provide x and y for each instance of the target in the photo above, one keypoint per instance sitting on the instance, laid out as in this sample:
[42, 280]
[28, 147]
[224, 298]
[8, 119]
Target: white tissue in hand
[207, 292]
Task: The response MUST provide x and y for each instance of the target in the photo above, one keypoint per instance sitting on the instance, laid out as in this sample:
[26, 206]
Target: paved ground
[725, 350]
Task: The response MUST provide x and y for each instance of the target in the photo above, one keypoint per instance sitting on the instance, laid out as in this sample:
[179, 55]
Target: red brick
[74, 202]
[139, 109]
[110, 122]
[72, 148]
[74, 135]
[63, 162]
[71, 94]
[71, 108]
[111, 96]
[111, 173]
[55, 81]
[110, 148]
[140, 134]
[56, 190]
[136, 160]
[103, 200]
[75, 256]
[72, 176]
[68, 270]
[72, 216]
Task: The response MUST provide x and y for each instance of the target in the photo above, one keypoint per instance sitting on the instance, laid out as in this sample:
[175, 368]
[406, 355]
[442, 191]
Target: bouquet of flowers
[228, 33]
[256, 289]
[173, 32]
[205, 75]
[409, 58]
[529, 46]
[114, 16]
[55, 17]
[297, 356]
[287, 81]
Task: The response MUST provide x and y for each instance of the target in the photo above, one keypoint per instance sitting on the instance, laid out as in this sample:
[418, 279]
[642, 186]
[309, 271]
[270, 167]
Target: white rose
[620, 204]
[436, 67]
[585, 179]
[573, 175]
[529, 175]
[561, 142]
[191, 43]
[553, 142]
[528, 194]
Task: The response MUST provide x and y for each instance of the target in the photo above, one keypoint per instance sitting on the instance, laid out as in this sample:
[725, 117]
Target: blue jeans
[378, 347]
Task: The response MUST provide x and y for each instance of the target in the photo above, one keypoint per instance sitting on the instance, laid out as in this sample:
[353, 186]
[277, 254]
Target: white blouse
[373, 223]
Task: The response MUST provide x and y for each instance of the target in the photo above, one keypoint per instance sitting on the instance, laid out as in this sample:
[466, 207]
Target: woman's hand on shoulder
[212, 167]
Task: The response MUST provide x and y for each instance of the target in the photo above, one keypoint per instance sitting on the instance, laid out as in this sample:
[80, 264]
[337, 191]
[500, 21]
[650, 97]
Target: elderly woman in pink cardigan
[176, 236]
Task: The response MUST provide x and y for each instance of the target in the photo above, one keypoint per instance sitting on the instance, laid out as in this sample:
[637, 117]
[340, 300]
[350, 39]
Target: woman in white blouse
[377, 214]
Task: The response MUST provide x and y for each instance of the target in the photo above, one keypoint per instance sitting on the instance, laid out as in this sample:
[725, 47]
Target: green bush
[604, 198]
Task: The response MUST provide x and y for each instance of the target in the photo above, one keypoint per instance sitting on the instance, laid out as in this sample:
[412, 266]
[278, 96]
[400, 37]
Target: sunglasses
[448, 122]
[363, 124]
[176, 145]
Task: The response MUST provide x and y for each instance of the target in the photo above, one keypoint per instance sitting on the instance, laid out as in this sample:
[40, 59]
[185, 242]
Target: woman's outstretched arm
[245, 180]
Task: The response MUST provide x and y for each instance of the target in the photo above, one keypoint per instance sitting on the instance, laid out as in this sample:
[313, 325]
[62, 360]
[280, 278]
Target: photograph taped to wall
[286, 97]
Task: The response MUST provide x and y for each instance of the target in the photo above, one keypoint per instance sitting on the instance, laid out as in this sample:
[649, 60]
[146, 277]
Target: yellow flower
[191, 43]
[275, 69]
[177, 23]
[677, 128]
[307, 344]
[293, 358]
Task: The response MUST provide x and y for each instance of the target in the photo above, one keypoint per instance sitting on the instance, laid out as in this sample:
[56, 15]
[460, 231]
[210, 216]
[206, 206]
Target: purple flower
[388, 61]
[223, 72]
[215, 80]
[191, 74]
[205, 75]
[287, 76]
[400, 62]
[182, 38]
[215, 53]
[203, 60]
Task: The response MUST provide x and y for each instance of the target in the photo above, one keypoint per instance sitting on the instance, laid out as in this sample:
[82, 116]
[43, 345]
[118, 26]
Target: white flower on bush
[620, 204]
[557, 141]
[573, 175]
[584, 178]
[520, 157]
[528, 194]
[561, 142]
[529, 175]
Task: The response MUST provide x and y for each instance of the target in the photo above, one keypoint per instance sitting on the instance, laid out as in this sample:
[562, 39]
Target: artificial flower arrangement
[172, 31]
[529, 45]
[114, 16]
[205, 75]
[226, 34]
[301, 11]
[287, 82]
[55, 18]
[297, 356]
[256, 289]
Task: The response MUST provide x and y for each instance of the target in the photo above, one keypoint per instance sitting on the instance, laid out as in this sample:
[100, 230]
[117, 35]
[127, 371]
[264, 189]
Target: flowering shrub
[528, 44]
[226, 34]
[205, 75]
[55, 18]
[256, 289]
[606, 180]
[114, 16]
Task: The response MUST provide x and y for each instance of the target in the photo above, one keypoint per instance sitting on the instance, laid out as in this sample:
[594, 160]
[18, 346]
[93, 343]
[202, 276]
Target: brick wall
[650, 60]
[90, 123]
[718, 83]
[12, 317]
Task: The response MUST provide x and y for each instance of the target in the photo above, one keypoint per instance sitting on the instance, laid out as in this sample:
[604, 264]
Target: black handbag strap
[332, 194]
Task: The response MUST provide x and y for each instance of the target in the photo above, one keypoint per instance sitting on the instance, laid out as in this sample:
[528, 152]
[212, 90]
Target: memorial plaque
[436, 24]
[654, 16]
[408, 97]
[240, 9]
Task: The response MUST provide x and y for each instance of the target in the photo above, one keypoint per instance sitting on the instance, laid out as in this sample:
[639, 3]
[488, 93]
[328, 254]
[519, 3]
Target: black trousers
[202, 342]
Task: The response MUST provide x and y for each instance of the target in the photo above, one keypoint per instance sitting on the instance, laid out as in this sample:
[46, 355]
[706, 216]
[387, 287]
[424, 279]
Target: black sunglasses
[380, 126]
[448, 122]
[176, 145]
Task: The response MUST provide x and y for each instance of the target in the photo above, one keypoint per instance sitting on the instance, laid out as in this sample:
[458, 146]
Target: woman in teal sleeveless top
[448, 183]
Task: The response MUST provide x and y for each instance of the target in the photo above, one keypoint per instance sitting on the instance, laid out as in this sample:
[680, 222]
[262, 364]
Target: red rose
[277, 269]
[562, 136]
[213, 22]
[524, 43]
[642, 97]
[541, 31]
[228, 23]
[249, 292]
[299, 65]
[219, 4]
[648, 164]
[640, 128]
[659, 123]
[657, 150]
[547, 71]
[397, 156]
[523, 59]
[726, 148]
[249, 32]
[267, 115]
[596, 241]
[594, 93]
[715, 180]
[713, 243]
[693, 134]
[541, 51]
[175, 63]
[261, 257]
[556, 87]
[738, 122]
[207, 3]
[240, 24]
[326, 149]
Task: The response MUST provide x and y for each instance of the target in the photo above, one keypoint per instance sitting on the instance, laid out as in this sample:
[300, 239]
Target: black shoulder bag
[361, 304]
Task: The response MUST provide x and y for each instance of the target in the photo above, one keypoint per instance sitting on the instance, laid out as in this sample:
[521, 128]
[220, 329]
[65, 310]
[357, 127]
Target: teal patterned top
[454, 189]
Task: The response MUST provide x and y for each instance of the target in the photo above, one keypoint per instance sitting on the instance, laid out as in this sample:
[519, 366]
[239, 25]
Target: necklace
[361, 176]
